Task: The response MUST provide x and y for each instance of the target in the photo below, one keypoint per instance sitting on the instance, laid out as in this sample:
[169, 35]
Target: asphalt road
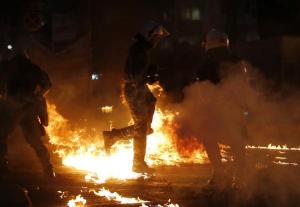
[267, 183]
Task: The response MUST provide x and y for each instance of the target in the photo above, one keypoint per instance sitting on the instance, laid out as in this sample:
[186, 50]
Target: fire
[285, 163]
[274, 147]
[83, 149]
[161, 149]
[77, 202]
[118, 198]
[169, 204]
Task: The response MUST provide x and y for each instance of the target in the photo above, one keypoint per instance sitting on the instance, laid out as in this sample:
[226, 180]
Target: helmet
[153, 32]
[215, 38]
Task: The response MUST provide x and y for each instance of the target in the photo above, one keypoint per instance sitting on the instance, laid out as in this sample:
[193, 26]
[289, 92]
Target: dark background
[73, 39]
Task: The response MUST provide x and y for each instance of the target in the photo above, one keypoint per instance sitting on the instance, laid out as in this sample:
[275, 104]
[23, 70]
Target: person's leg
[111, 137]
[151, 102]
[33, 133]
[139, 108]
[7, 124]
[239, 157]
[213, 153]
[139, 145]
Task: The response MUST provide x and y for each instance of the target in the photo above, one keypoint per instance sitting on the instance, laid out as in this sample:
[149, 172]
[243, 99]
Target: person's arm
[44, 84]
[137, 64]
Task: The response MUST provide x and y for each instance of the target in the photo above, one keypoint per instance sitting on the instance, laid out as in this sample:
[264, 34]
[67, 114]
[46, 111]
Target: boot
[109, 140]
[141, 167]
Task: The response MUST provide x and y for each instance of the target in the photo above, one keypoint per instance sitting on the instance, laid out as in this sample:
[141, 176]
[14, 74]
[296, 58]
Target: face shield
[153, 32]
[215, 38]
[158, 34]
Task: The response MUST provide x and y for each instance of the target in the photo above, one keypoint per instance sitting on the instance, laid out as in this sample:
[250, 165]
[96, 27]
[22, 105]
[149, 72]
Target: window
[196, 14]
[191, 14]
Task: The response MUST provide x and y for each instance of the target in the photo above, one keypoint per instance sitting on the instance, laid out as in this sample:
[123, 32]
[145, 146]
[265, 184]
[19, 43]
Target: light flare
[106, 109]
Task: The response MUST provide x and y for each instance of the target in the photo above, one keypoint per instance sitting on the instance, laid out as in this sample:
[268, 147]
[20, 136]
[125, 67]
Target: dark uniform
[212, 69]
[137, 94]
[139, 98]
[22, 103]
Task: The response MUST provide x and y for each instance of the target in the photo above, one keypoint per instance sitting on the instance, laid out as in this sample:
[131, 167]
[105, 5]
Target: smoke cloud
[244, 109]
[240, 107]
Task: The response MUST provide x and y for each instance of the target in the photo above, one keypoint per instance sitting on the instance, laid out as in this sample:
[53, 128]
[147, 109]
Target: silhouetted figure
[22, 103]
[217, 62]
[137, 94]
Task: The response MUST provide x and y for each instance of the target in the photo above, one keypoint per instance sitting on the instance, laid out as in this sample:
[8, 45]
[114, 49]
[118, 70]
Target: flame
[83, 149]
[77, 202]
[285, 163]
[165, 205]
[274, 147]
[156, 89]
[118, 198]
[161, 149]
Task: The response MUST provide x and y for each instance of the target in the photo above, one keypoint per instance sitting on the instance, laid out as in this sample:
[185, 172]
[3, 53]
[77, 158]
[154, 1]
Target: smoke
[243, 109]
[242, 101]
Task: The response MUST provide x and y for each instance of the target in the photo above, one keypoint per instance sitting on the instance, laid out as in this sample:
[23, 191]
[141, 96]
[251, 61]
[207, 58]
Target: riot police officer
[217, 62]
[22, 103]
[137, 94]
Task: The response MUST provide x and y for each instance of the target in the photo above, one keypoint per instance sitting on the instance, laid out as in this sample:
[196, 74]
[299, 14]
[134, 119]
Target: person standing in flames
[22, 102]
[139, 98]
